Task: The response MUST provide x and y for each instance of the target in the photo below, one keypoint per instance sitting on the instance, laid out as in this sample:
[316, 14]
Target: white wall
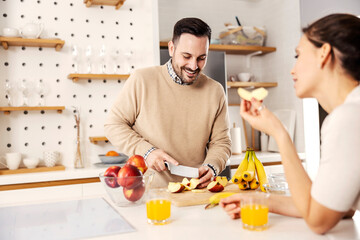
[281, 18]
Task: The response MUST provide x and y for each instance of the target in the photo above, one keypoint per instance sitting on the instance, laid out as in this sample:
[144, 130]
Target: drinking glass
[102, 56]
[115, 53]
[158, 206]
[9, 90]
[26, 89]
[88, 55]
[76, 57]
[40, 90]
[254, 211]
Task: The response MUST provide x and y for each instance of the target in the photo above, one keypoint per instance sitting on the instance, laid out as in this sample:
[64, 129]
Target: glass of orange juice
[254, 211]
[158, 206]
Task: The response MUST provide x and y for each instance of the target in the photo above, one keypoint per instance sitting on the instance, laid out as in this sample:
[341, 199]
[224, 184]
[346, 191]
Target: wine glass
[40, 90]
[115, 53]
[102, 56]
[128, 56]
[75, 56]
[88, 55]
[9, 90]
[26, 89]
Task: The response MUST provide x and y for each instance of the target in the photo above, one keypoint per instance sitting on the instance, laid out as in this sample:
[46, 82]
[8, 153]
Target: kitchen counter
[186, 222]
[268, 158]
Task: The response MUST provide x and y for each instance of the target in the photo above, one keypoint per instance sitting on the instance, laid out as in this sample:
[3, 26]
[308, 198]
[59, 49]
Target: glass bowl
[129, 191]
[277, 184]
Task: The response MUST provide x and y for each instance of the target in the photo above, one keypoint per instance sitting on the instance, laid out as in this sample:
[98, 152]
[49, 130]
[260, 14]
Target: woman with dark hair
[328, 69]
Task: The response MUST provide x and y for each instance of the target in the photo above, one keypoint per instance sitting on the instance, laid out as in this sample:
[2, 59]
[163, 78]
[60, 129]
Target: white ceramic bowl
[10, 32]
[31, 162]
[244, 77]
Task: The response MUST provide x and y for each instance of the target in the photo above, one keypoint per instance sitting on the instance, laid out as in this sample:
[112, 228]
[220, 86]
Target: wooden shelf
[234, 49]
[77, 76]
[116, 3]
[31, 42]
[7, 110]
[32, 170]
[251, 84]
[95, 140]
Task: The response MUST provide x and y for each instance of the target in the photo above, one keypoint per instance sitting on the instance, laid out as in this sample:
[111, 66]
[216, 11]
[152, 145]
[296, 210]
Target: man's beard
[182, 74]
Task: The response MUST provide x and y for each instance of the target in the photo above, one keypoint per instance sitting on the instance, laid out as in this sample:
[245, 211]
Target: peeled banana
[242, 167]
[215, 199]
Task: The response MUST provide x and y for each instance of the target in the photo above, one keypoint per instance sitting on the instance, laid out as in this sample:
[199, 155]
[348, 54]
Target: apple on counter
[113, 173]
[139, 162]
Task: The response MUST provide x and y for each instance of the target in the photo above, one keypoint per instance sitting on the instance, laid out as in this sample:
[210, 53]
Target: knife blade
[181, 170]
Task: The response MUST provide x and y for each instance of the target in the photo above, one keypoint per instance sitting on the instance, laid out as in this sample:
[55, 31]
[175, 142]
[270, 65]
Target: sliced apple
[186, 182]
[194, 183]
[175, 187]
[222, 180]
[198, 190]
[215, 186]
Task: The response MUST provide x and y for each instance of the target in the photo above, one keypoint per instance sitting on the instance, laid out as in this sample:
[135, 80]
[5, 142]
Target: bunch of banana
[215, 199]
[250, 173]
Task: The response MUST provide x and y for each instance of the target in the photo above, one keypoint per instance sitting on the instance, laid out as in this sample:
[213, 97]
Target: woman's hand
[259, 117]
[231, 205]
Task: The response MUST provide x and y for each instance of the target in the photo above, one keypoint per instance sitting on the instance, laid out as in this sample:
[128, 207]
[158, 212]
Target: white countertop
[194, 222]
[93, 171]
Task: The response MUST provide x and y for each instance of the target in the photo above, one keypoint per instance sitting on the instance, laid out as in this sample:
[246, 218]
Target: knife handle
[167, 165]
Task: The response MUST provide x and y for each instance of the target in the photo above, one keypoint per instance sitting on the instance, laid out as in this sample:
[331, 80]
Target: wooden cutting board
[189, 198]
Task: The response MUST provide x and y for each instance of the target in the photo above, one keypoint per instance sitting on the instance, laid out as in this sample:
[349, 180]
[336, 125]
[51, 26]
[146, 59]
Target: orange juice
[158, 211]
[254, 216]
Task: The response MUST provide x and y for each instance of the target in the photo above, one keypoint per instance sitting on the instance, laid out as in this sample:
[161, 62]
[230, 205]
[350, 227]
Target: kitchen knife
[181, 170]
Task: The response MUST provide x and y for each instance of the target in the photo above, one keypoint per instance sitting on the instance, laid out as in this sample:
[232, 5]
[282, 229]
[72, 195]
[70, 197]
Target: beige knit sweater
[189, 122]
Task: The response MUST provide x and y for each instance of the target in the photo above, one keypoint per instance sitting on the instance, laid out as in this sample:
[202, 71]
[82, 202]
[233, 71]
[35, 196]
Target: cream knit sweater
[189, 122]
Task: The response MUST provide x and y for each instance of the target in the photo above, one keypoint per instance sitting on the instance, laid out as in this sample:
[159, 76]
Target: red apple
[129, 176]
[215, 186]
[134, 194]
[139, 162]
[112, 173]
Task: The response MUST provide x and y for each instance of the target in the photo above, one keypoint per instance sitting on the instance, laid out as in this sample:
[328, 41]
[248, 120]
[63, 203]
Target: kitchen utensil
[134, 196]
[10, 32]
[51, 158]
[113, 159]
[32, 30]
[181, 170]
[31, 162]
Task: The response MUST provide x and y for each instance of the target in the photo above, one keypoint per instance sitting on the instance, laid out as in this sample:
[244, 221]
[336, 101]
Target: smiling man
[174, 112]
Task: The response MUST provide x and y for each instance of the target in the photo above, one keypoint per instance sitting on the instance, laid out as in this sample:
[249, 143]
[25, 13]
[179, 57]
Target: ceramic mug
[50, 158]
[10, 32]
[13, 160]
[245, 76]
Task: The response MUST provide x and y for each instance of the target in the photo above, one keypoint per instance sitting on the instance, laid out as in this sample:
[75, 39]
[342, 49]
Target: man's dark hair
[194, 26]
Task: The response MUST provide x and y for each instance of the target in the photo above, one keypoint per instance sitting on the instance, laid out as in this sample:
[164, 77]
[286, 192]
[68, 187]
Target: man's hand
[206, 176]
[156, 158]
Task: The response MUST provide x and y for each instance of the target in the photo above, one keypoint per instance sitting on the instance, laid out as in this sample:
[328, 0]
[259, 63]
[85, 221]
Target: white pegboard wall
[131, 28]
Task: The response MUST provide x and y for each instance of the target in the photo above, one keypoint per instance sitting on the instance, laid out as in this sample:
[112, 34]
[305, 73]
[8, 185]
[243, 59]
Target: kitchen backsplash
[128, 36]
